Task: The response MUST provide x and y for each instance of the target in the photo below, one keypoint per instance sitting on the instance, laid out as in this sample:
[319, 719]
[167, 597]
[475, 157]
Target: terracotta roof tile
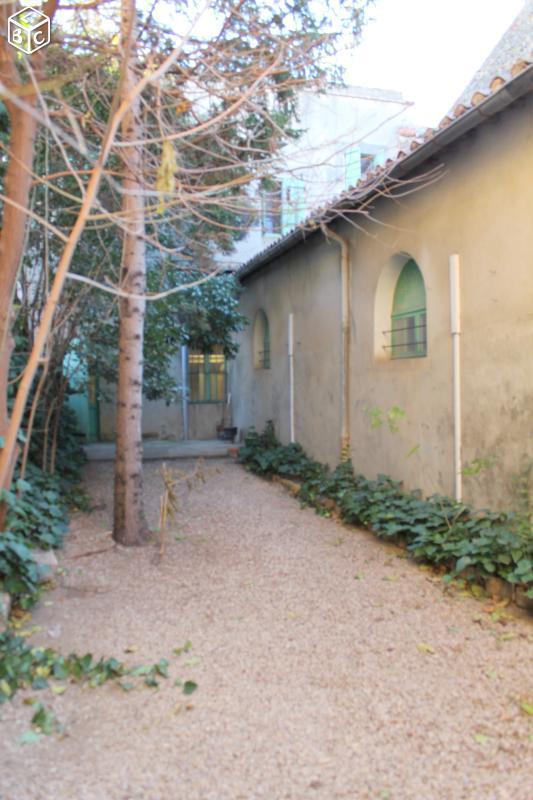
[445, 121]
[459, 110]
[496, 82]
[478, 98]
[519, 67]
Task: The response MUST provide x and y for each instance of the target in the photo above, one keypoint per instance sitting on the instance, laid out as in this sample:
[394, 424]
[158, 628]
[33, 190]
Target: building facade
[402, 317]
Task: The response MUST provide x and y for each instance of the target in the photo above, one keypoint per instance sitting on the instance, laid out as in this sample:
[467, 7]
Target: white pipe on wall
[185, 385]
[455, 318]
[291, 376]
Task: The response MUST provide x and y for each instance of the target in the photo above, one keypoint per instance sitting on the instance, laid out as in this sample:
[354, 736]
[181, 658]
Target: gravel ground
[328, 666]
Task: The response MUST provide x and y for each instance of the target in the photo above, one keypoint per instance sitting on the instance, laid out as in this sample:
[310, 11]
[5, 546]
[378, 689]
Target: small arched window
[408, 319]
[261, 341]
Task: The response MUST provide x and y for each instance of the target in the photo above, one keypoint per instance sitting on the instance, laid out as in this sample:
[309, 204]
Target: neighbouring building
[344, 132]
[413, 290]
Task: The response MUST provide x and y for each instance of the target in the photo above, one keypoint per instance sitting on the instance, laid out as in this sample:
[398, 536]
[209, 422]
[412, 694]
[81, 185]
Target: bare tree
[17, 182]
[160, 148]
[129, 526]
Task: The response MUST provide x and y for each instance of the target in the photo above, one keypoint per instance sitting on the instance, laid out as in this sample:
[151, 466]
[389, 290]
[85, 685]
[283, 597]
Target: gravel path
[328, 666]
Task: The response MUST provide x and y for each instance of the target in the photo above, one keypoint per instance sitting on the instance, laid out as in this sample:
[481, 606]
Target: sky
[427, 49]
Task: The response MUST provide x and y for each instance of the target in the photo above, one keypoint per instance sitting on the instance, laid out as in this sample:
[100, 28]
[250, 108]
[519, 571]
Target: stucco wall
[481, 209]
[162, 421]
[159, 420]
[165, 421]
[310, 291]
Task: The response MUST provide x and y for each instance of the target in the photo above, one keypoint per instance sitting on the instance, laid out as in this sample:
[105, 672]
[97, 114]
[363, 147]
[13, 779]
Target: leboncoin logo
[28, 30]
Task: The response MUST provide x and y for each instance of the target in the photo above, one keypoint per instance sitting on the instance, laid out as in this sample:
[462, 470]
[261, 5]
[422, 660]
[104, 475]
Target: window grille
[207, 376]
[408, 335]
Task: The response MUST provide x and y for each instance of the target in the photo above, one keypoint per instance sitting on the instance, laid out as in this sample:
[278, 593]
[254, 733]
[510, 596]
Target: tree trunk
[129, 525]
[17, 184]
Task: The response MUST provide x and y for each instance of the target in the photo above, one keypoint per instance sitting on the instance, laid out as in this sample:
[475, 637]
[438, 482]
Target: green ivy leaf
[44, 719]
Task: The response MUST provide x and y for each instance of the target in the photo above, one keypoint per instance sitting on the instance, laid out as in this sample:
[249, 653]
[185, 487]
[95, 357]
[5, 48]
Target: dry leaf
[426, 648]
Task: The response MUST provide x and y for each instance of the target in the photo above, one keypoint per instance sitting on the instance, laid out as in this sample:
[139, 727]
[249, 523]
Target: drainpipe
[291, 375]
[455, 315]
[184, 395]
[345, 364]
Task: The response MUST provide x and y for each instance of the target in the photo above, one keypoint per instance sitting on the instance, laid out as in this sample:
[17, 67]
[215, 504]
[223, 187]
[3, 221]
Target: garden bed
[489, 549]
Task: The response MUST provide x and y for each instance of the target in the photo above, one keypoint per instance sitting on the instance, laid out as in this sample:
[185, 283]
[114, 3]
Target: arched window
[408, 318]
[261, 341]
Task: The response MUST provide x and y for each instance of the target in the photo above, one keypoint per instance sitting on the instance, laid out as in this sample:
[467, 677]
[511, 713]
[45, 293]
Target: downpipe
[345, 360]
[455, 318]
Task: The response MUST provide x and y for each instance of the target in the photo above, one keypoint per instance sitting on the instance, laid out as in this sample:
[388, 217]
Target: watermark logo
[28, 30]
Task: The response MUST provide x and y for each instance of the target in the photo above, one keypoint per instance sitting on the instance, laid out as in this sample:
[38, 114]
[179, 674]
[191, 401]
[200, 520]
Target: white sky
[428, 49]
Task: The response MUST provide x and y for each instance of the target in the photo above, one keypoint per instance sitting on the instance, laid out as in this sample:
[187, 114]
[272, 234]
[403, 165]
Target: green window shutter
[293, 203]
[410, 292]
[409, 319]
[352, 166]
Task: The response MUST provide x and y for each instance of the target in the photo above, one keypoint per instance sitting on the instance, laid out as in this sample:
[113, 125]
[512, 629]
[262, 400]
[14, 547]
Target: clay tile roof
[496, 82]
[519, 67]
[445, 121]
[478, 98]
[508, 57]
[432, 141]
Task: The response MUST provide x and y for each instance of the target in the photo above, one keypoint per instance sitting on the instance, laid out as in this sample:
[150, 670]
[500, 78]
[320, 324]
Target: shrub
[37, 514]
[19, 573]
[436, 529]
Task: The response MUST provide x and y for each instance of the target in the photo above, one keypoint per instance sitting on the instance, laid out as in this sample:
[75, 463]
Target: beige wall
[166, 422]
[480, 209]
[309, 289]
[162, 421]
[159, 421]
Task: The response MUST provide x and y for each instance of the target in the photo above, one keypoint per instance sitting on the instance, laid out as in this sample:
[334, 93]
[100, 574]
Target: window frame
[207, 373]
[410, 324]
[261, 357]
[417, 346]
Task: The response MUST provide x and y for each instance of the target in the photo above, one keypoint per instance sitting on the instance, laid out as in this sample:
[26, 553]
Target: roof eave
[507, 94]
